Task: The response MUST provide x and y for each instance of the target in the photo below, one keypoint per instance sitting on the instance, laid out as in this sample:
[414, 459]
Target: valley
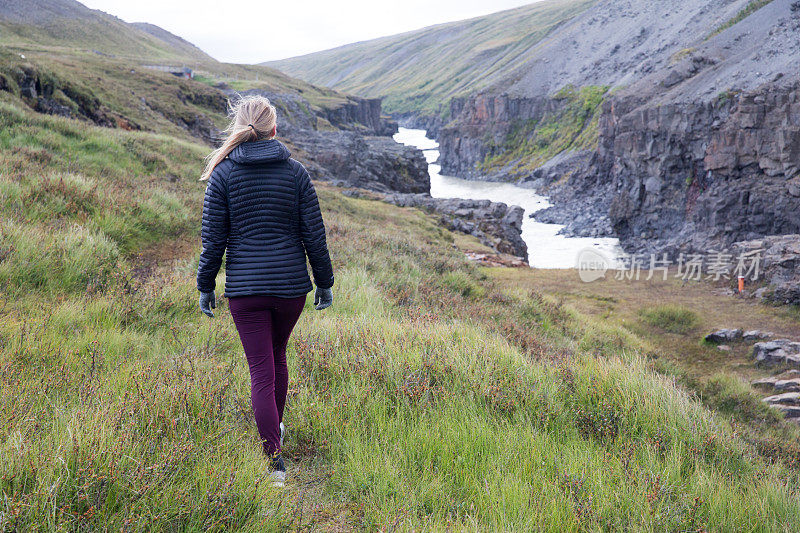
[671, 128]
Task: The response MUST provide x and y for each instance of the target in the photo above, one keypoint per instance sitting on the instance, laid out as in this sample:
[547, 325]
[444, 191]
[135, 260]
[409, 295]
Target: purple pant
[264, 324]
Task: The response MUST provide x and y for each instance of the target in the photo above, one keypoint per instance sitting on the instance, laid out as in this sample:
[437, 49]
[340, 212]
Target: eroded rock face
[364, 112]
[481, 123]
[780, 264]
[369, 162]
[697, 176]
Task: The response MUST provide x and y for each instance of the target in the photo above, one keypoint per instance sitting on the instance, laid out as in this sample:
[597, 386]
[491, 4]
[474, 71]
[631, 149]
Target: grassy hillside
[40, 24]
[430, 396]
[120, 93]
[95, 65]
[419, 70]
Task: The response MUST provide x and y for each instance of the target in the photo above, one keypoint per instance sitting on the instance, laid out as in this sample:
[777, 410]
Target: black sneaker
[278, 474]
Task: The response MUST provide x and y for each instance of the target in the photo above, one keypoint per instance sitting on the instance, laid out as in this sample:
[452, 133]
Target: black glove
[322, 298]
[208, 301]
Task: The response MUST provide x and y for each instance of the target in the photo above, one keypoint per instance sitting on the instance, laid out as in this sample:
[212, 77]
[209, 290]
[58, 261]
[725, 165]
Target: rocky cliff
[361, 113]
[482, 123]
[702, 175]
[691, 154]
[374, 163]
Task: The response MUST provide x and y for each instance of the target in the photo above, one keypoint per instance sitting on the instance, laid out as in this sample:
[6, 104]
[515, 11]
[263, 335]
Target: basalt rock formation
[696, 176]
[483, 121]
[495, 224]
[374, 163]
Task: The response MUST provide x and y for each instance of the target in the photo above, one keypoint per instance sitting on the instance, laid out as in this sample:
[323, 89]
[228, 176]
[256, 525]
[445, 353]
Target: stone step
[787, 398]
[769, 382]
[789, 411]
[787, 385]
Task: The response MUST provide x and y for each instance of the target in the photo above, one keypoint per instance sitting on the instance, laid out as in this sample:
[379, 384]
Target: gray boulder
[724, 335]
[777, 351]
[787, 385]
[791, 412]
[769, 382]
[756, 334]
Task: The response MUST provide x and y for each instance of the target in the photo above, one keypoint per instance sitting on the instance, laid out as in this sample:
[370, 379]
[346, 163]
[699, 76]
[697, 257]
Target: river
[546, 249]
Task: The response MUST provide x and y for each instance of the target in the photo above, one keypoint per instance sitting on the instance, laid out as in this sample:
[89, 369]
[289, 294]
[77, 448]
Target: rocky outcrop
[785, 397]
[724, 335]
[787, 403]
[363, 112]
[788, 381]
[778, 351]
[698, 176]
[47, 93]
[780, 264]
[692, 177]
[756, 334]
[349, 159]
[495, 224]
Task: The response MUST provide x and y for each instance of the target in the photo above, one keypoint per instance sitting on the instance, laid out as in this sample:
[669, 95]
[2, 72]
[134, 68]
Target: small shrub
[731, 396]
[462, 284]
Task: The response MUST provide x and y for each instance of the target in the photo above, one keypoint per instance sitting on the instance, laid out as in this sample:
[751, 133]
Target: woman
[261, 207]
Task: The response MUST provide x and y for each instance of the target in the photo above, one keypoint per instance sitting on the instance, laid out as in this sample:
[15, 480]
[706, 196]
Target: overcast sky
[252, 31]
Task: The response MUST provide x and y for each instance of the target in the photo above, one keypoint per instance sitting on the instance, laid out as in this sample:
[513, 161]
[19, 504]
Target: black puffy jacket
[261, 206]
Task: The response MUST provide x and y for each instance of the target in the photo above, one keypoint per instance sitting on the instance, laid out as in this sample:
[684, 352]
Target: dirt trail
[163, 254]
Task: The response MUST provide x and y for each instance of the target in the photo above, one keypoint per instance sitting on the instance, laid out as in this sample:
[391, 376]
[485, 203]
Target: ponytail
[252, 118]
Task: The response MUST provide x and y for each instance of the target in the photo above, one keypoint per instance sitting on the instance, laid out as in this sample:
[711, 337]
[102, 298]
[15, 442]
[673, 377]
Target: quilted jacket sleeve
[312, 230]
[216, 225]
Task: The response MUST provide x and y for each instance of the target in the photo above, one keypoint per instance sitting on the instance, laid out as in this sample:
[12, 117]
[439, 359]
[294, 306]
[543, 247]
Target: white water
[546, 249]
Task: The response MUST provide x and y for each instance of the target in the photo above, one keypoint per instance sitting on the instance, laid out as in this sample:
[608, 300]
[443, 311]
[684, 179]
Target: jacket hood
[253, 152]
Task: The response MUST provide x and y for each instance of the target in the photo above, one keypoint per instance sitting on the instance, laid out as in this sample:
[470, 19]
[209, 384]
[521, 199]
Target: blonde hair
[253, 118]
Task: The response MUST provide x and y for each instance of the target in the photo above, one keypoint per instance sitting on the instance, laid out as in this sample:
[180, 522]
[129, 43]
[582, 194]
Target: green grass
[429, 397]
[101, 33]
[68, 177]
[421, 71]
[671, 318]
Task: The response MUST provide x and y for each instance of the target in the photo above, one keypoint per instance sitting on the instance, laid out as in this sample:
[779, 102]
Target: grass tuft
[670, 318]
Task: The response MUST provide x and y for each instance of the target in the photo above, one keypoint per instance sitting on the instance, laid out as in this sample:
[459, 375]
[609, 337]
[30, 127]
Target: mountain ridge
[414, 66]
[68, 23]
